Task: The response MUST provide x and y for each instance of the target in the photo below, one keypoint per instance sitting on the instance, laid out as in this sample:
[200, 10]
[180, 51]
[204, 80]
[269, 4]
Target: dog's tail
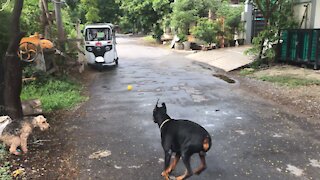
[206, 143]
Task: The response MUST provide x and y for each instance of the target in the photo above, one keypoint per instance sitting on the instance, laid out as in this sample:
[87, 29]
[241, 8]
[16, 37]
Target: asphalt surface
[253, 138]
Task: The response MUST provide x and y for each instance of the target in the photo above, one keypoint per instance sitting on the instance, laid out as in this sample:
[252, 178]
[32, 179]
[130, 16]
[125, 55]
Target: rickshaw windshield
[98, 34]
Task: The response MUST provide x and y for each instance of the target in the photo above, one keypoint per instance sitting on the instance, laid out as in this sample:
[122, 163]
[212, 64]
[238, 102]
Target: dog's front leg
[24, 139]
[167, 158]
[15, 142]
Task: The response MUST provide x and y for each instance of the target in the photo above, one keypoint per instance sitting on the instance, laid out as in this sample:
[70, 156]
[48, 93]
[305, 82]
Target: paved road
[253, 138]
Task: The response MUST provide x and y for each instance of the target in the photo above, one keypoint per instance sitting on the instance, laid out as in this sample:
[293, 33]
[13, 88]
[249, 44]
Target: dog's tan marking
[206, 144]
[182, 176]
[165, 175]
[172, 166]
[174, 163]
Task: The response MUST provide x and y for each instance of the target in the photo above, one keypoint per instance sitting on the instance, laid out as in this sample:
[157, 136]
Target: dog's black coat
[183, 137]
[15, 126]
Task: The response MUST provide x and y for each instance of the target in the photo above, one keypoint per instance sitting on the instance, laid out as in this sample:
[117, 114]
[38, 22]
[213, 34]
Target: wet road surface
[253, 138]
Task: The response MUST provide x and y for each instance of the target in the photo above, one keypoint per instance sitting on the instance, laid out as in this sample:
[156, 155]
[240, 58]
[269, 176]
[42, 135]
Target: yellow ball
[129, 87]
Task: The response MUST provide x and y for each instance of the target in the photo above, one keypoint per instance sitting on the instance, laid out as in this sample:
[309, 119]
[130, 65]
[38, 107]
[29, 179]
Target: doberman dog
[184, 138]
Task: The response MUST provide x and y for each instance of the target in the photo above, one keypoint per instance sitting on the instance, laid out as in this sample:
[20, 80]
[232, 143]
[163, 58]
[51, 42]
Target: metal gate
[300, 46]
[258, 23]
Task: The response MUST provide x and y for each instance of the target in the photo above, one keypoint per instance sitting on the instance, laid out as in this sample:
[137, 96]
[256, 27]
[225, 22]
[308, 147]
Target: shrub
[206, 30]
[182, 37]
[4, 166]
[54, 93]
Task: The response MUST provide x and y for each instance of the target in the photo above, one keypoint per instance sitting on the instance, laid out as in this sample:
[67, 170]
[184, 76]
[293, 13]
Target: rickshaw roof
[100, 25]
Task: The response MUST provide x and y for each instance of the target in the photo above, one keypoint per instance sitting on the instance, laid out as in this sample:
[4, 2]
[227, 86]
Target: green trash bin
[314, 46]
[305, 47]
[284, 46]
[293, 45]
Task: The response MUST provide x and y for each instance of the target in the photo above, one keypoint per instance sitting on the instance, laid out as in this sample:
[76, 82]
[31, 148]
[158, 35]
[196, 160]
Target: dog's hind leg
[174, 162]
[15, 142]
[167, 157]
[186, 161]
[203, 165]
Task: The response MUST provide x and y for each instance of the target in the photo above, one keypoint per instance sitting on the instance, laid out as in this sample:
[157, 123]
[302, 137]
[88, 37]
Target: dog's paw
[165, 175]
[25, 150]
[16, 153]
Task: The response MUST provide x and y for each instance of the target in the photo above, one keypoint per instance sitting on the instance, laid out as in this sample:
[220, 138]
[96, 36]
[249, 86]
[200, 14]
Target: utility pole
[59, 23]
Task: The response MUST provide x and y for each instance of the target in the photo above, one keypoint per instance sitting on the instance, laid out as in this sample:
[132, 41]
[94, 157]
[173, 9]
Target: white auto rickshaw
[100, 44]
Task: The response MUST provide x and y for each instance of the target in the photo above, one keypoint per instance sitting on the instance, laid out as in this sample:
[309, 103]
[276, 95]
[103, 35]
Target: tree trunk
[2, 111]
[61, 38]
[46, 18]
[12, 67]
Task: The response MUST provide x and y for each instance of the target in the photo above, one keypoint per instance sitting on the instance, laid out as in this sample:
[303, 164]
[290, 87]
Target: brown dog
[16, 133]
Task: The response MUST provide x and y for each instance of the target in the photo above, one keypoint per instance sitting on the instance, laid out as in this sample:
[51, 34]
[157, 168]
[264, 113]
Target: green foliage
[109, 11]
[290, 81]
[182, 37]
[144, 16]
[268, 38]
[96, 11]
[91, 9]
[149, 39]
[206, 30]
[5, 171]
[73, 4]
[30, 17]
[231, 15]
[140, 16]
[246, 71]
[157, 32]
[186, 12]
[3, 151]
[280, 18]
[4, 166]
[126, 25]
[69, 22]
[54, 93]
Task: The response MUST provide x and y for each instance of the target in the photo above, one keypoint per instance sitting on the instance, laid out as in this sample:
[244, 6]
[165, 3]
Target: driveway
[253, 138]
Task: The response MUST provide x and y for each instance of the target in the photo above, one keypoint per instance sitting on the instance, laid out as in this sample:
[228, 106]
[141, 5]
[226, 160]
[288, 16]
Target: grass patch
[54, 93]
[286, 80]
[246, 71]
[4, 166]
[149, 39]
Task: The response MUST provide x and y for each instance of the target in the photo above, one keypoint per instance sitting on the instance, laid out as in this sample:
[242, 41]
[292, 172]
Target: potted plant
[206, 30]
[185, 42]
[178, 45]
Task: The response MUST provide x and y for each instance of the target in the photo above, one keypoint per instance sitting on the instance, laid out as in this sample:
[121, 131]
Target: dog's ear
[157, 103]
[164, 106]
[40, 119]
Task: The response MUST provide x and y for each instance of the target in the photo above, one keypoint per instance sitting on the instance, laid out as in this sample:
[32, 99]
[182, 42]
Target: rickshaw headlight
[89, 49]
[108, 48]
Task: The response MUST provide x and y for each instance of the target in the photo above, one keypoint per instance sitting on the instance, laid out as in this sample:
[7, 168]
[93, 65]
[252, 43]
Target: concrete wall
[317, 15]
[246, 17]
[299, 11]
[312, 20]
